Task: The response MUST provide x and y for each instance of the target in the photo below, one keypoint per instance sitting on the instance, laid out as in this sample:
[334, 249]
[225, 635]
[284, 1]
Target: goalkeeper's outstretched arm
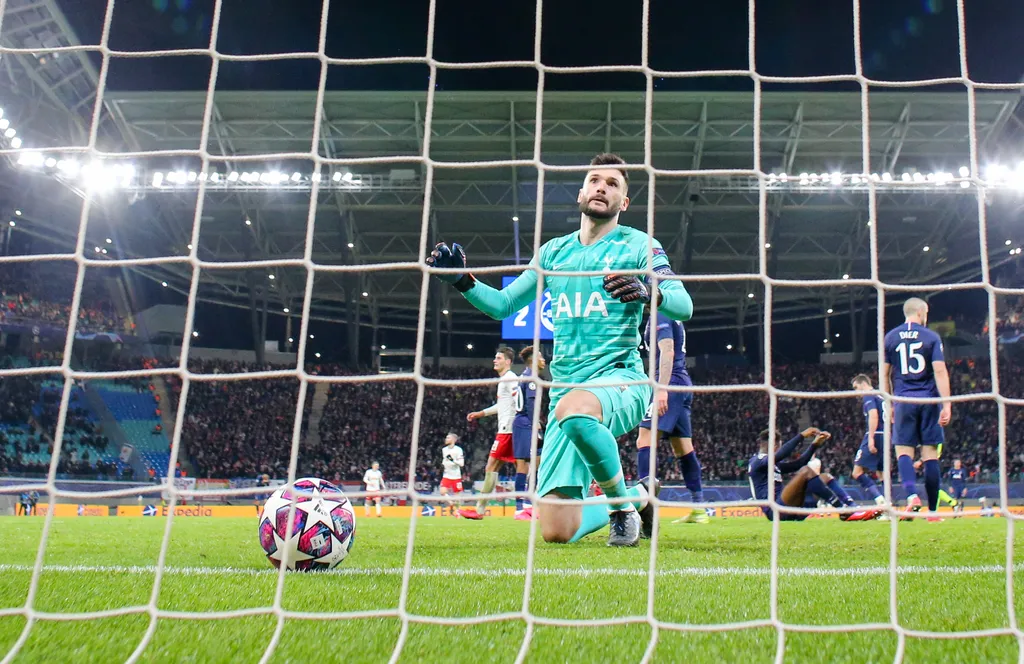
[498, 304]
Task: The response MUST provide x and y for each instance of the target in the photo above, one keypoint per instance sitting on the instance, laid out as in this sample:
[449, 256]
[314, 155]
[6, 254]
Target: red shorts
[502, 448]
[453, 485]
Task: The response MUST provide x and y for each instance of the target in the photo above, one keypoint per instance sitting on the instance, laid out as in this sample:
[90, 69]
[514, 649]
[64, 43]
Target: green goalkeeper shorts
[622, 409]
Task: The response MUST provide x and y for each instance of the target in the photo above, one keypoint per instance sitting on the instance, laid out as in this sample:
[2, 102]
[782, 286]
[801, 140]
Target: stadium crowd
[244, 428]
[41, 294]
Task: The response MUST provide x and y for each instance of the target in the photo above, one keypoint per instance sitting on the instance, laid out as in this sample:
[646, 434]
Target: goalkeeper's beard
[608, 212]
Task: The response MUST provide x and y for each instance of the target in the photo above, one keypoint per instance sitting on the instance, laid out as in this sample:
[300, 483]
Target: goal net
[782, 631]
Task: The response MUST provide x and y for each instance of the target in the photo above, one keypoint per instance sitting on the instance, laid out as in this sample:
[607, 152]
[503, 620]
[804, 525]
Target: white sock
[490, 480]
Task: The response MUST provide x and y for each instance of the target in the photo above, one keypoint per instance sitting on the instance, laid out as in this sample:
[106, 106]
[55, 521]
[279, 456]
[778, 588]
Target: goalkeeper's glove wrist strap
[465, 283]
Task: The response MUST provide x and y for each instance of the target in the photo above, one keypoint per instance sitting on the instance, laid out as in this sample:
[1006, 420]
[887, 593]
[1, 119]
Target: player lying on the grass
[915, 367]
[453, 461]
[596, 337]
[673, 413]
[505, 409]
[806, 477]
[869, 455]
[522, 428]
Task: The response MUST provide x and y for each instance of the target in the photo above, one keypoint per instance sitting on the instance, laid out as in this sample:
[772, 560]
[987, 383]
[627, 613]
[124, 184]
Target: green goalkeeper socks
[600, 452]
[946, 498]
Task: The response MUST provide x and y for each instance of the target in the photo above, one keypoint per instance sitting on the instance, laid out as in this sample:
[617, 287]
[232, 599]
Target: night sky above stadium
[902, 39]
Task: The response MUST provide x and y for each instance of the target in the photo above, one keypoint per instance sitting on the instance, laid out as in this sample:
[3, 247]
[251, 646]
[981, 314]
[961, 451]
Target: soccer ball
[323, 528]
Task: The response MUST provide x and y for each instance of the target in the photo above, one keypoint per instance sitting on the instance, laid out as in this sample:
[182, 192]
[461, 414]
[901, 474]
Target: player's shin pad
[599, 451]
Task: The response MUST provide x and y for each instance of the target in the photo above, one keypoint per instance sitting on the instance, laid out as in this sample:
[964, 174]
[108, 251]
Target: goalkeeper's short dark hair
[861, 379]
[610, 159]
[525, 354]
[509, 354]
[763, 436]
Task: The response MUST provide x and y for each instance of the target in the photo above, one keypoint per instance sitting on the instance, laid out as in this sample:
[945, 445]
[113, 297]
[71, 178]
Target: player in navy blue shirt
[673, 413]
[869, 455]
[806, 477]
[522, 427]
[958, 484]
[915, 367]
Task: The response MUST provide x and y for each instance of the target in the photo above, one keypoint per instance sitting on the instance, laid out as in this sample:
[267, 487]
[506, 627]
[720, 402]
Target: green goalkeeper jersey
[593, 332]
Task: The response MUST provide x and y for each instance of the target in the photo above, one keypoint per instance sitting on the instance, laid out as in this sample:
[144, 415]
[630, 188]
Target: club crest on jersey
[564, 308]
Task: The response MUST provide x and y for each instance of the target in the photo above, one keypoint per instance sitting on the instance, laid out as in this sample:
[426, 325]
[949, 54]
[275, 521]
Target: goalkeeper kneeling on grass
[596, 321]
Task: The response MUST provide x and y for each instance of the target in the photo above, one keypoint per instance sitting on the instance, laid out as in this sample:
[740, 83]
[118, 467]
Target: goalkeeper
[596, 336]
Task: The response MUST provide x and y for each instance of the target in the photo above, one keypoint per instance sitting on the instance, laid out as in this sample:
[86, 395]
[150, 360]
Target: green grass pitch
[832, 573]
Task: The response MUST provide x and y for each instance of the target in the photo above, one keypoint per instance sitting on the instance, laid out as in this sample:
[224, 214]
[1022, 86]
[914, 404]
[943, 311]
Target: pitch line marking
[573, 572]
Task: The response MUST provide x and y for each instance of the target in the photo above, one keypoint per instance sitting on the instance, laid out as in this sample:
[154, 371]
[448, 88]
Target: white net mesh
[653, 573]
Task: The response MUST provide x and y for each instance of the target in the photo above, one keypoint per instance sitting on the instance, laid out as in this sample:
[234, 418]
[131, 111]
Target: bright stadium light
[233, 176]
[469, 346]
[347, 177]
[767, 245]
[12, 224]
[846, 276]
[337, 176]
[837, 179]
[312, 337]
[964, 171]
[195, 333]
[271, 277]
[296, 177]
[189, 246]
[824, 341]
[829, 310]
[103, 251]
[351, 245]
[98, 250]
[10, 133]
[1008, 243]
[317, 355]
[248, 222]
[5, 123]
[444, 312]
[750, 296]
[287, 310]
[515, 217]
[291, 340]
[15, 142]
[926, 248]
[383, 347]
[365, 294]
[17, 213]
[192, 176]
[886, 177]
[965, 185]
[907, 177]
[164, 284]
[837, 335]
[50, 162]
[158, 179]
[728, 346]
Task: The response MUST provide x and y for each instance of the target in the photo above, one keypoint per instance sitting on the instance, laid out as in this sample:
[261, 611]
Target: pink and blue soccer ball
[323, 528]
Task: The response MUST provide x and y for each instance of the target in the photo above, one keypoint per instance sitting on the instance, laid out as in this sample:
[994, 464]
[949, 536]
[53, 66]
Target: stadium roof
[708, 222]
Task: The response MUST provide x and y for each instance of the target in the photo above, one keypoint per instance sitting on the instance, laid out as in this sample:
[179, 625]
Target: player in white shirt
[374, 481]
[453, 461]
[505, 409]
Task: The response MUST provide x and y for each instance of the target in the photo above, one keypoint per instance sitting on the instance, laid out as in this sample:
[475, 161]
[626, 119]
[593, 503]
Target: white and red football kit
[505, 409]
[453, 461]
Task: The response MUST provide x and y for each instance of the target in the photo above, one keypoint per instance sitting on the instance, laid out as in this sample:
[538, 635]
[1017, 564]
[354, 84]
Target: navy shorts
[676, 421]
[959, 491]
[521, 441]
[918, 424]
[865, 459]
